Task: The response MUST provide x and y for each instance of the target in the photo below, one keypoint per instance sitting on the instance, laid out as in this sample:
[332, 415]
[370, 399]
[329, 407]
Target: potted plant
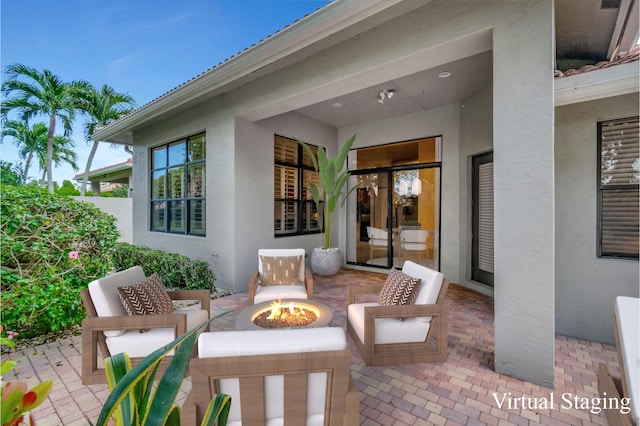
[333, 174]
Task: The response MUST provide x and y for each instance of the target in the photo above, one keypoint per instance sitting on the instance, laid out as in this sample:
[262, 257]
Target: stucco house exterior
[473, 105]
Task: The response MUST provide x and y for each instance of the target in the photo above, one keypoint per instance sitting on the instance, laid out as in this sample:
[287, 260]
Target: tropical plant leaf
[173, 419]
[41, 390]
[218, 409]
[333, 178]
[9, 402]
[116, 367]
[126, 384]
[169, 385]
[146, 387]
[344, 151]
[310, 153]
[6, 366]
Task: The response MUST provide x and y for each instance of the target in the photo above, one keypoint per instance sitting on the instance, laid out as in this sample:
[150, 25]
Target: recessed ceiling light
[444, 74]
[337, 105]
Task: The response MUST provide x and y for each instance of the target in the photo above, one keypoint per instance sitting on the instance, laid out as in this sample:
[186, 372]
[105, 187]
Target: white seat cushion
[627, 313]
[431, 282]
[388, 330]
[265, 342]
[429, 287]
[270, 341]
[279, 292]
[137, 344]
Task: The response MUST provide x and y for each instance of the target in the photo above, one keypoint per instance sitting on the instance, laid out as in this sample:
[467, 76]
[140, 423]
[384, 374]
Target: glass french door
[394, 212]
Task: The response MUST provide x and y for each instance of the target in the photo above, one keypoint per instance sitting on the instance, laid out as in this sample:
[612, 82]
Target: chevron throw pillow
[146, 297]
[280, 270]
[399, 289]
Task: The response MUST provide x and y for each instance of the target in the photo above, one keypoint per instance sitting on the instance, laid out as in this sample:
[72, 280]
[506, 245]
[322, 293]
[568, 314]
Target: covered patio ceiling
[442, 85]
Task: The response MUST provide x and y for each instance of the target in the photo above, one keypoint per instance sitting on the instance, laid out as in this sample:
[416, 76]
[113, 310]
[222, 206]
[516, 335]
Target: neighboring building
[107, 178]
[477, 144]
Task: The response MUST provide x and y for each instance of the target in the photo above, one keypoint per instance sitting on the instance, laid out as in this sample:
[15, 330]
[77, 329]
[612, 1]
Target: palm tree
[32, 142]
[42, 94]
[29, 141]
[102, 107]
[63, 152]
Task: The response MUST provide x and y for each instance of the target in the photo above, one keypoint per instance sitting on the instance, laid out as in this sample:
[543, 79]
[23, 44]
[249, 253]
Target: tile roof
[631, 56]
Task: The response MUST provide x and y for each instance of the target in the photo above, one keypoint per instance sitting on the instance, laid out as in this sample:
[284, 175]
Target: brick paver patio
[459, 391]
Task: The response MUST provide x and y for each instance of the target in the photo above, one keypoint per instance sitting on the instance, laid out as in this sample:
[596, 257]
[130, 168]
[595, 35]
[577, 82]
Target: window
[618, 182]
[294, 210]
[177, 186]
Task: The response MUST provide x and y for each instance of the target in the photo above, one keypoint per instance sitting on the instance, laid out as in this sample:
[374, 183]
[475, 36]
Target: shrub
[67, 188]
[51, 247]
[176, 271]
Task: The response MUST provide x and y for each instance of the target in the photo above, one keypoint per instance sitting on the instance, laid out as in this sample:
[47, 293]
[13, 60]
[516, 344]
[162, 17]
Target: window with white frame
[295, 212]
[618, 188]
[177, 178]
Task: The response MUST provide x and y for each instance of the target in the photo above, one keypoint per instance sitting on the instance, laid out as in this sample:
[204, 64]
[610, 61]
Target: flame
[280, 311]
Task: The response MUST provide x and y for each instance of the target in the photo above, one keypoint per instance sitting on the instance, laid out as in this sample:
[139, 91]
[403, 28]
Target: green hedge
[176, 271]
[51, 247]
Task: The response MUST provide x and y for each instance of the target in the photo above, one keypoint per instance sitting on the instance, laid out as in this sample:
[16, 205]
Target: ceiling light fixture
[337, 105]
[444, 74]
[385, 94]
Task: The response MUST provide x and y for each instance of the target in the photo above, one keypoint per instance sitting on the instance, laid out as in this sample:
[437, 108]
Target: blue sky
[140, 47]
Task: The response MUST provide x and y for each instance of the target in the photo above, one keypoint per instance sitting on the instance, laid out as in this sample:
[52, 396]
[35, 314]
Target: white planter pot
[326, 262]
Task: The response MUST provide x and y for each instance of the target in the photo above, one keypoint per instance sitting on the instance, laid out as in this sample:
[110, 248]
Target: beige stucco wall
[586, 286]
[120, 208]
[254, 219]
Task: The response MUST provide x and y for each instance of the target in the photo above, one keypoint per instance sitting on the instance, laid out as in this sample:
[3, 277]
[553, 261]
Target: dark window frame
[186, 198]
[601, 189]
[299, 200]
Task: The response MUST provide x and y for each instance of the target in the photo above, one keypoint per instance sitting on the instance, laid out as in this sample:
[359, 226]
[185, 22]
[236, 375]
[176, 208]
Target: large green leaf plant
[135, 402]
[333, 175]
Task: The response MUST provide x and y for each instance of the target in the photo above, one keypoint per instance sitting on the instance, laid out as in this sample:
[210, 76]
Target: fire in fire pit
[288, 314]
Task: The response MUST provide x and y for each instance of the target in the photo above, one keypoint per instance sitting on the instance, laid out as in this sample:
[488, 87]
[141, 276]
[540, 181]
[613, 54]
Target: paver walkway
[459, 391]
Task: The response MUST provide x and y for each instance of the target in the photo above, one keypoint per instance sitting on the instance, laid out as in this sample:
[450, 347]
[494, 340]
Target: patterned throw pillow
[146, 297]
[280, 270]
[399, 289]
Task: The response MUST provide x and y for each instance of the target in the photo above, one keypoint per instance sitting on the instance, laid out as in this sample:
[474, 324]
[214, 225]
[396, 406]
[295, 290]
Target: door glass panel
[415, 217]
[368, 241]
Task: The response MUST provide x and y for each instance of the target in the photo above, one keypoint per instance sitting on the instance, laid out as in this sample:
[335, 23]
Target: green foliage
[51, 247]
[333, 175]
[121, 191]
[176, 271]
[67, 188]
[134, 402]
[10, 174]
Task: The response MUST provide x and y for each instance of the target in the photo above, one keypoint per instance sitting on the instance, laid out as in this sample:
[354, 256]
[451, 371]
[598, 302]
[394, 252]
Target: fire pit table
[287, 313]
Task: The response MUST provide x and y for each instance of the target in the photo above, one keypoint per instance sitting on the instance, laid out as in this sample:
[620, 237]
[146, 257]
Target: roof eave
[106, 170]
[613, 81]
[332, 18]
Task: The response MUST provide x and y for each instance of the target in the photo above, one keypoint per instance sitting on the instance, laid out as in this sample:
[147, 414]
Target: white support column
[524, 194]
